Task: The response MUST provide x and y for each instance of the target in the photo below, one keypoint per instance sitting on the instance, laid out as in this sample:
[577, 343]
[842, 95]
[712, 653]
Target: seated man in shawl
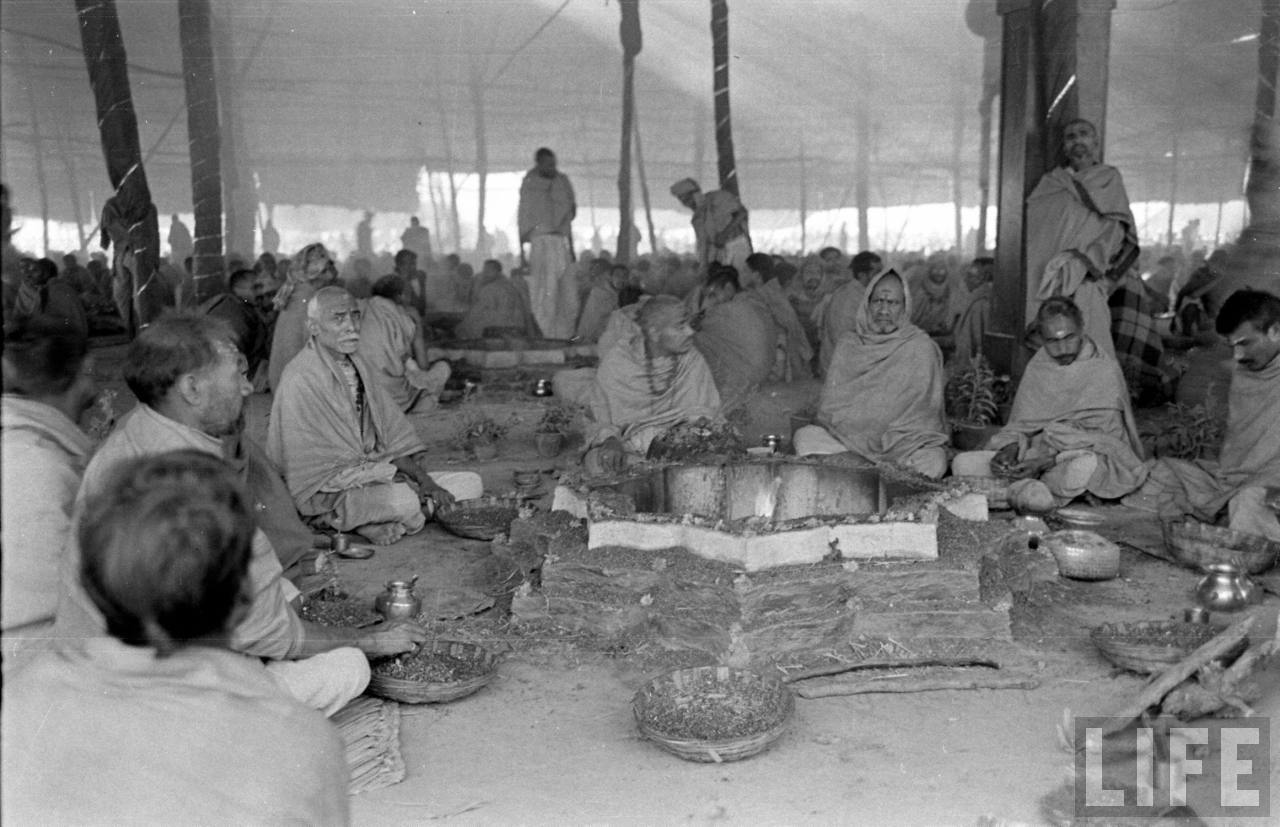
[835, 313]
[645, 385]
[496, 302]
[238, 309]
[312, 269]
[343, 443]
[1071, 427]
[48, 384]
[736, 336]
[1249, 462]
[883, 397]
[931, 298]
[1138, 346]
[391, 342]
[795, 355]
[601, 300]
[1080, 232]
[971, 328]
[161, 722]
[190, 384]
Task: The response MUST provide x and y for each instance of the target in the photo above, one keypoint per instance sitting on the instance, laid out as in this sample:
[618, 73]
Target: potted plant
[971, 404]
[550, 432]
[479, 434]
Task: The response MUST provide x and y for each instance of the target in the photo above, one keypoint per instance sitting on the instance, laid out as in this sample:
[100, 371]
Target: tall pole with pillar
[1053, 69]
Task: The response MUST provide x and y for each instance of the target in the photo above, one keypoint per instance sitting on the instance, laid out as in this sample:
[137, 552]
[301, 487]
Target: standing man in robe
[1080, 232]
[547, 209]
[180, 243]
[719, 224]
[417, 238]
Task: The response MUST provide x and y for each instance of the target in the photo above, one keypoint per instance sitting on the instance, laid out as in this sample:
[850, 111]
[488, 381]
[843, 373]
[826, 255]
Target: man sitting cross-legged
[1249, 462]
[1071, 426]
[351, 459]
[163, 722]
[882, 399]
[190, 384]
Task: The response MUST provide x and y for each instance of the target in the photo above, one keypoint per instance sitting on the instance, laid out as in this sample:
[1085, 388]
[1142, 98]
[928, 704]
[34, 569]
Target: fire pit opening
[777, 490]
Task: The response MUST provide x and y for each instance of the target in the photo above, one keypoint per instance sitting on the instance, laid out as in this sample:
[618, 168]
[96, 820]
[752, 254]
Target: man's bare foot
[381, 534]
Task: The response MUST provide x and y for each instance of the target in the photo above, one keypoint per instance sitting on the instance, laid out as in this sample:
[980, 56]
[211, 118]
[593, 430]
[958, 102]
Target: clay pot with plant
[479, 435]
[972, 405]
[552, 430]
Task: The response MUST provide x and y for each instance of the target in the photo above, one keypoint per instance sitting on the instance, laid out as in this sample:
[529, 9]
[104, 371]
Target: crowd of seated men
[195, 596]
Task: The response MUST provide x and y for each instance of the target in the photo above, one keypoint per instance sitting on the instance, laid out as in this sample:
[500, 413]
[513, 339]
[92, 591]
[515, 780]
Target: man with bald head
[350, 457]
[1071, 431]
[883, 396]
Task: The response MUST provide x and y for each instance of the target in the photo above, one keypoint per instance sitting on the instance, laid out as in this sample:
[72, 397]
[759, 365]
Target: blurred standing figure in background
[547, 209]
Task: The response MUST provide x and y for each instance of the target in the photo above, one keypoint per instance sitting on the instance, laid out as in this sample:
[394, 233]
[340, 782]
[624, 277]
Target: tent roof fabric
[341, 102]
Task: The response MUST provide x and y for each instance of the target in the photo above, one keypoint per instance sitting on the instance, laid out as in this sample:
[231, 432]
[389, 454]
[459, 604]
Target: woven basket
[1083, 555]
[1200, 545]
[478, 519]
[423, 692]
[995, 489]
[1147, 647]
[764, 697]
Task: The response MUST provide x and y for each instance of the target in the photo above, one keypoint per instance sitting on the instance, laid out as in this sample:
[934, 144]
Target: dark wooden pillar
[1053, 69]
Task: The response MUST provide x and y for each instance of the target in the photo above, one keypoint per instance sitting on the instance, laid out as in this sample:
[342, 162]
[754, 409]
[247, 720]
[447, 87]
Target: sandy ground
[552, 740]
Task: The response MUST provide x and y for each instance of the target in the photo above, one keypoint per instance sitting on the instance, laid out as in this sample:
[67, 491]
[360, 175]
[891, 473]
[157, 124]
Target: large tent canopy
[342, 102]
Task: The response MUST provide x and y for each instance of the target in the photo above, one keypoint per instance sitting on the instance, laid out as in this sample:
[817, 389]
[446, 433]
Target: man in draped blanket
[1139, 348]
[496, 302]
[736, 336]
[794, 358]
[166, 558]
[1080, 231]
[392, 342]
[350, 457]
[883, 397]
[1071, 427]
[836, 311]
[1249, 463]
[931, 298]
[312, 269]
[971, 328]
[645, 385]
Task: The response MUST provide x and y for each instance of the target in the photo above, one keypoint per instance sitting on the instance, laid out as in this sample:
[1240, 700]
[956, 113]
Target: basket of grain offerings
[1199, 545]
[713, 713]
[438, 672]
[481, 519]
[1147, 647]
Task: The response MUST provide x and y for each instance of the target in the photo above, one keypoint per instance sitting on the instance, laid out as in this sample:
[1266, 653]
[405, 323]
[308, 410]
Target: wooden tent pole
[629, 33]
[804, 200]
[726, 164]
[37, 145]
[644, 183]
[133, 229]
[482, 159]
[204, 140]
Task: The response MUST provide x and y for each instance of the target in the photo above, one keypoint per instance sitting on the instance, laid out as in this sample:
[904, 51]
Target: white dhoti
[548, 263]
